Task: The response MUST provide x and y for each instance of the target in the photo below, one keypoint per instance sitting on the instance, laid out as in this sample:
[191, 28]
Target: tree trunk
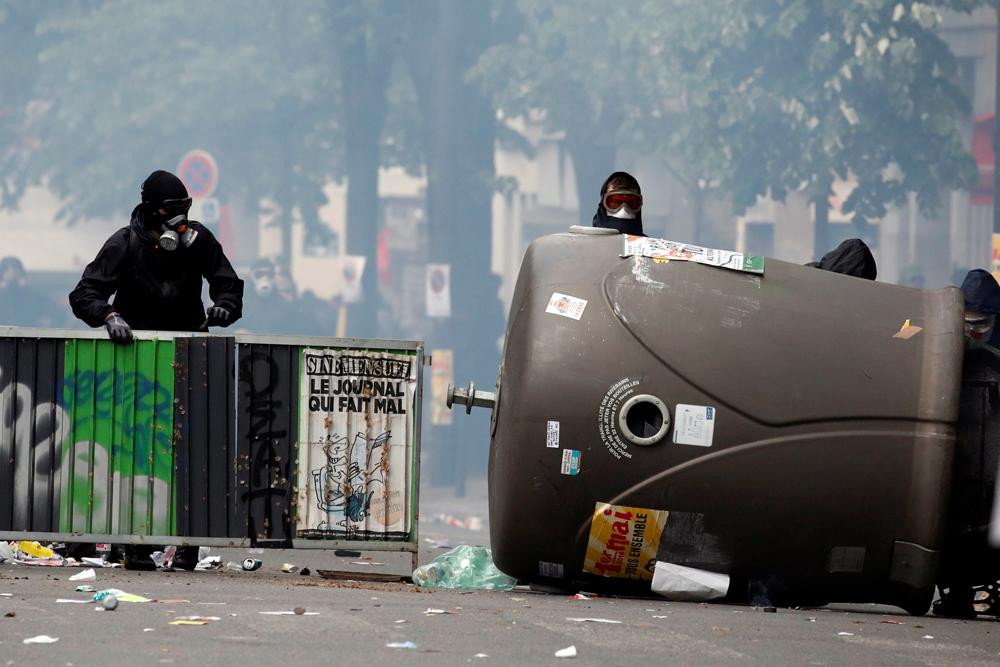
[365, 79]
[821, 227]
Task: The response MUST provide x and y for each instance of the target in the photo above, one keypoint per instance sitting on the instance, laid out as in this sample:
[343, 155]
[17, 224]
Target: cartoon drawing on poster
[357, 431]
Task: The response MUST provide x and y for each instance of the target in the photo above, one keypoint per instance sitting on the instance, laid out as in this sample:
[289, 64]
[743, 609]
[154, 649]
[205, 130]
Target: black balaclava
[625, 226]
[851, 258]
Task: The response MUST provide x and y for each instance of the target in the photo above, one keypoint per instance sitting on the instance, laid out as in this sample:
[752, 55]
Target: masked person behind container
[154, 268]
[853, 257]
[620, 206]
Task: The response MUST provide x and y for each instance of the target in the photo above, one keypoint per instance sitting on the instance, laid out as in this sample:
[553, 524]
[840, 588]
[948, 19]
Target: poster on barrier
[356, 472]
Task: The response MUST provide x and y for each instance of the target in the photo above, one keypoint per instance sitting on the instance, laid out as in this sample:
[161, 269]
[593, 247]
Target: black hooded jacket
[852, 258]
[623, 225]
[981, 292]
[154, 288]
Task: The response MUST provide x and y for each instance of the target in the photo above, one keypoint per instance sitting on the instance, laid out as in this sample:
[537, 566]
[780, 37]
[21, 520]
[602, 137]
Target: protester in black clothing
[155, 266]
[851, 258]
[21, 305]
[620, 206]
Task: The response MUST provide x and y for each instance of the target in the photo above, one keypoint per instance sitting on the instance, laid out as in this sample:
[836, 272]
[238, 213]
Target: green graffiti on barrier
[117, 464]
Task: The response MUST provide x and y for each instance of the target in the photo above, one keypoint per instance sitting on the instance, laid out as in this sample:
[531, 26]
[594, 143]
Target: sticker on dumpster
[624, 541]
[356, 431]
[567, 306]
[907, 331]
[694, 425]
[552, 434]
[663, 249]
[570, 462]
[553, 570]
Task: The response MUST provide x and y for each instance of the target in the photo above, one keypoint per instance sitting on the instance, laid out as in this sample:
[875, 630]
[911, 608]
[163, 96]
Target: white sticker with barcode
[554, 570]
[567, 306]
[694, 425]
[552, 434]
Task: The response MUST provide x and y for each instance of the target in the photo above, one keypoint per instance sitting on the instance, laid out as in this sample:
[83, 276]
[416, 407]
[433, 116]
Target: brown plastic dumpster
[794, 430]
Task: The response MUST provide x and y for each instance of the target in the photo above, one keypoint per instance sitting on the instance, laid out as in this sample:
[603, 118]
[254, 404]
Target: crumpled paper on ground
[688, 584]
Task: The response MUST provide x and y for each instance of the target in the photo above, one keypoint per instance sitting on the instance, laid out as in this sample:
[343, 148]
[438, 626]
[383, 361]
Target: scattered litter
[197, 619]
[402, 620]
[928, 637]
[203, 552]
[86, 575]
[517, 599]
[170, 601]
[811, 619]
[121, 595]
[438, 543]
[435, 612]
[892, 622]
[480, 655]
[34, 550]
[6, 553]
[289, 613]
[148, 630]
[401, 645]
[463, 567]
[208, 563]
[661, 617]
[581, 596]
[690, 584]
[592, 620]
[164, 559]
[367, 562]
[471, 523]
[72, 601]
[299, 611]
[85, 588]
[110, 603]
[6, 595]
[97, 562]
[9, 614]
[182, 621]
[251, 564]
[41, 639]
[288, 568]
[568, 652]
[305, 572]
[845, 634]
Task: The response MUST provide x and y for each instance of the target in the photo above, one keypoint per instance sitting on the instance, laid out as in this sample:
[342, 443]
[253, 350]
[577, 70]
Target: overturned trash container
[791, 428]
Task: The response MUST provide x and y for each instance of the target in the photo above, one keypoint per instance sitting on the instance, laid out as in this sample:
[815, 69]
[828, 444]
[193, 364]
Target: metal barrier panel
[33, 425]
[117, 464]
[195, 439]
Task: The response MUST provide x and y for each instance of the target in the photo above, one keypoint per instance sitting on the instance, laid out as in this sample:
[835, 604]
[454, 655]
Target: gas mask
[622, 203]
[174, 229]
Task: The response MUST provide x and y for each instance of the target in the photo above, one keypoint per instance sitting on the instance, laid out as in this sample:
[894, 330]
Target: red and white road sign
[200, 174]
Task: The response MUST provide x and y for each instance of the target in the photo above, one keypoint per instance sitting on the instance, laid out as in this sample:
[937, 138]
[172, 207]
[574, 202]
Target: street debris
[406, 644]
[251, 564]
[402, 620]
[41, 639]
[97, 562]
[85, 588]
[568, 652]
[299, 611]
[688, 584]
[928, 637]
[85, 575]
[436, 612]
[438, 543]
[208, 563]
[463, 567]
[149, 630]
[579, 596]
[480, 655]
[9, 614]
[6, 595]
[171, 601]
[592, 620]
[164, 559]
[288, 568]
[305, 572]
[367, 562]
[892, 622]
[845, 634]
[181, 621]
[473, 523]
[294, 612]
[110, 603]
[120, 594]
[72, 601]
[194, 620]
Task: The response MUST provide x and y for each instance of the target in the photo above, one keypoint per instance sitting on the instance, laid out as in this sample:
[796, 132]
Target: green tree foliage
[122, 88]
[747, 97]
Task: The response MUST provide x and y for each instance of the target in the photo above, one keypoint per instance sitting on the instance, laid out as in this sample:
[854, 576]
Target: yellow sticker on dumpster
[624, 541]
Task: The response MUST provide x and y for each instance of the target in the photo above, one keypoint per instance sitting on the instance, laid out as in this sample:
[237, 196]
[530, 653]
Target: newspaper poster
[356, 444]
[662, 249]
[624, 541]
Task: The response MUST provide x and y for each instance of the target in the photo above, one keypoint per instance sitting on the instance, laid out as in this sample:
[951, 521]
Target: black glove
[118, 329]
[218, 316]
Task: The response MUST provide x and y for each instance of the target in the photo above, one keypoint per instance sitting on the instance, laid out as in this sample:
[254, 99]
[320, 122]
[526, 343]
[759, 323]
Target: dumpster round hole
[644, 419]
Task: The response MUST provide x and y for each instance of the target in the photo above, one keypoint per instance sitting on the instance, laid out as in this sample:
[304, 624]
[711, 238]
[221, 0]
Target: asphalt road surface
[348, 623]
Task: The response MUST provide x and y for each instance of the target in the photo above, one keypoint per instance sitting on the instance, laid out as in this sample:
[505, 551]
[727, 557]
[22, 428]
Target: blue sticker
[570, 462]
[709, 412]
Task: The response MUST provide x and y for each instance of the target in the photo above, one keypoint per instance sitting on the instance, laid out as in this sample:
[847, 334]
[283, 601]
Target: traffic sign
[199, 173]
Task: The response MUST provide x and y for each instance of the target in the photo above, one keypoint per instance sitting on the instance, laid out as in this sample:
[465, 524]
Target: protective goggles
[613, 200]
[173, 206]
[978, 325]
